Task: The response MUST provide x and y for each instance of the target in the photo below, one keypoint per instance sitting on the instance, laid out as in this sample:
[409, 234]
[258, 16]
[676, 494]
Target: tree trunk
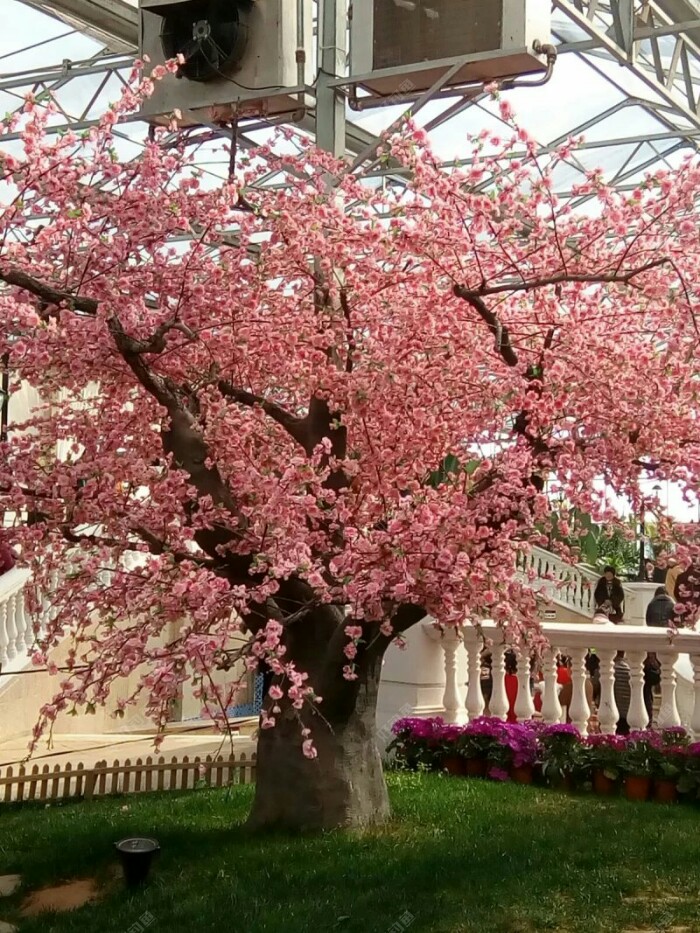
[344, 785]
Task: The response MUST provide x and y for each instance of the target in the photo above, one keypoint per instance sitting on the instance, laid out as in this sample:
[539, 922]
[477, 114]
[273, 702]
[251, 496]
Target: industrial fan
[211, 36]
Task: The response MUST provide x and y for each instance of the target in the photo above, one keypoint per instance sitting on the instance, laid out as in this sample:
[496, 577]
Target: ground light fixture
[136, 854]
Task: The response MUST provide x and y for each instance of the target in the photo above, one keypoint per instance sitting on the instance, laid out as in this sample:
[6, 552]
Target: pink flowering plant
[259, 443]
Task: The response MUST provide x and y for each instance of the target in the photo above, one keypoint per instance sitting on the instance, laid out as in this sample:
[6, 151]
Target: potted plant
[475, 742]
[449, 742]
[688, 782]
[601, 760]
[560, 754]
[416, 742]
[636, 763]
[513, 753]
[668, 763]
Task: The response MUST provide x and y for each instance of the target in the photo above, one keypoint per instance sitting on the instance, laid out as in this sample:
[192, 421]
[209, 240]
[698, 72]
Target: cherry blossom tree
[282, 424]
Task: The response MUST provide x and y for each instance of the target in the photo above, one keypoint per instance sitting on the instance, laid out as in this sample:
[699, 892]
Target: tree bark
[344, 786]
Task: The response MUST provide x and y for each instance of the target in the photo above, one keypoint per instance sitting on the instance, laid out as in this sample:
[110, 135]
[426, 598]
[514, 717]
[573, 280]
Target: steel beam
[114, 23]
[671, 79]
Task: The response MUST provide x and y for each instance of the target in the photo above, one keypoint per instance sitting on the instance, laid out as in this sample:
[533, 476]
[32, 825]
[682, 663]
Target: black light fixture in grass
[136, 856]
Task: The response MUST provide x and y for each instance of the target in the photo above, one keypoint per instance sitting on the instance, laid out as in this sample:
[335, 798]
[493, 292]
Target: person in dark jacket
[660, 610]
[610, 595]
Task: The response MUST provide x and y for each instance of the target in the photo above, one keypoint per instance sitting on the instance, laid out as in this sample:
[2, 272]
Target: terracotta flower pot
[453, 764]
[522, 775]
[637, 787]
[602, 784]
[665, 790]
[475, 767]
[564, 782]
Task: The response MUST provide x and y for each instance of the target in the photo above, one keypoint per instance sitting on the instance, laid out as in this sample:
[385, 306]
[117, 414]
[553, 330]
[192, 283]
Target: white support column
[551, 707]
[668, 711]
[475, 698]
[455, 710]
[524, 707]
[24, 637]
[608, 713]
[695, 718]
[637, 715]
[498, 704]
[10, 628]
[4, 640]
[579, 710]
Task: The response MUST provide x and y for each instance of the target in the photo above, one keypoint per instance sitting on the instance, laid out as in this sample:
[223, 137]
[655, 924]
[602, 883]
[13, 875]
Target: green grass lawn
[460, 855]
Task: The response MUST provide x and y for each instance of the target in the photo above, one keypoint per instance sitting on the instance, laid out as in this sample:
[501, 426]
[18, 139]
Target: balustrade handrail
[16, 633]
[13, 580]
[574, 640]
[594, 635]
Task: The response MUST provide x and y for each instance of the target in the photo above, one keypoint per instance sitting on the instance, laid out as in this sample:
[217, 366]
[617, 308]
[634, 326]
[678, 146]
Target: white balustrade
[637, 716]
[579, 710]
[551, 707]
[16, 636]
[475, 697]
[608, 714]
[570, 585]
[668, 710]
[450, 640]
[499, 704]
[524, 707]
[573, 640]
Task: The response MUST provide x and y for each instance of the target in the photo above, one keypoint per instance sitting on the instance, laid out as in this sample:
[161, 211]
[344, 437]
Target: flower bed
[646, 763]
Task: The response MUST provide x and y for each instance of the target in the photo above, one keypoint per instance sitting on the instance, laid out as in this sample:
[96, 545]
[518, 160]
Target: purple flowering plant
[417, 741]
[560, 751]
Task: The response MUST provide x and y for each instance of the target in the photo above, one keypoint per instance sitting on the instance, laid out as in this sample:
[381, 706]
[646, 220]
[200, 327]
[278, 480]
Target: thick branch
[503, 345]
[46, 293]
[295, 427]
[592, 278]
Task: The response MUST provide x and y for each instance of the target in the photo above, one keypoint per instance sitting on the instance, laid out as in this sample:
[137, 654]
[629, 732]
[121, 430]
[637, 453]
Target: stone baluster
[608, 713]
[579, 710]
[524, 707]
[11, 627]
[668, 710]
[4, 640]
[498, 705]
[637, 716]
[24, 638]
[551, 707]
[475, 698]
[694, 719]
[452, 702]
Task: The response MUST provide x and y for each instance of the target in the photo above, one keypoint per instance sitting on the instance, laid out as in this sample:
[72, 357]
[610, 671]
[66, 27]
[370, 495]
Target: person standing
[672, 574]
[661, 609]
[610, 595]
[623, 692]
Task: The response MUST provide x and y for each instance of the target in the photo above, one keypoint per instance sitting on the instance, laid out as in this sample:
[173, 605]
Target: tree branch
[503, 345]
[47, 293]
[563, 277]
[294, 426]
